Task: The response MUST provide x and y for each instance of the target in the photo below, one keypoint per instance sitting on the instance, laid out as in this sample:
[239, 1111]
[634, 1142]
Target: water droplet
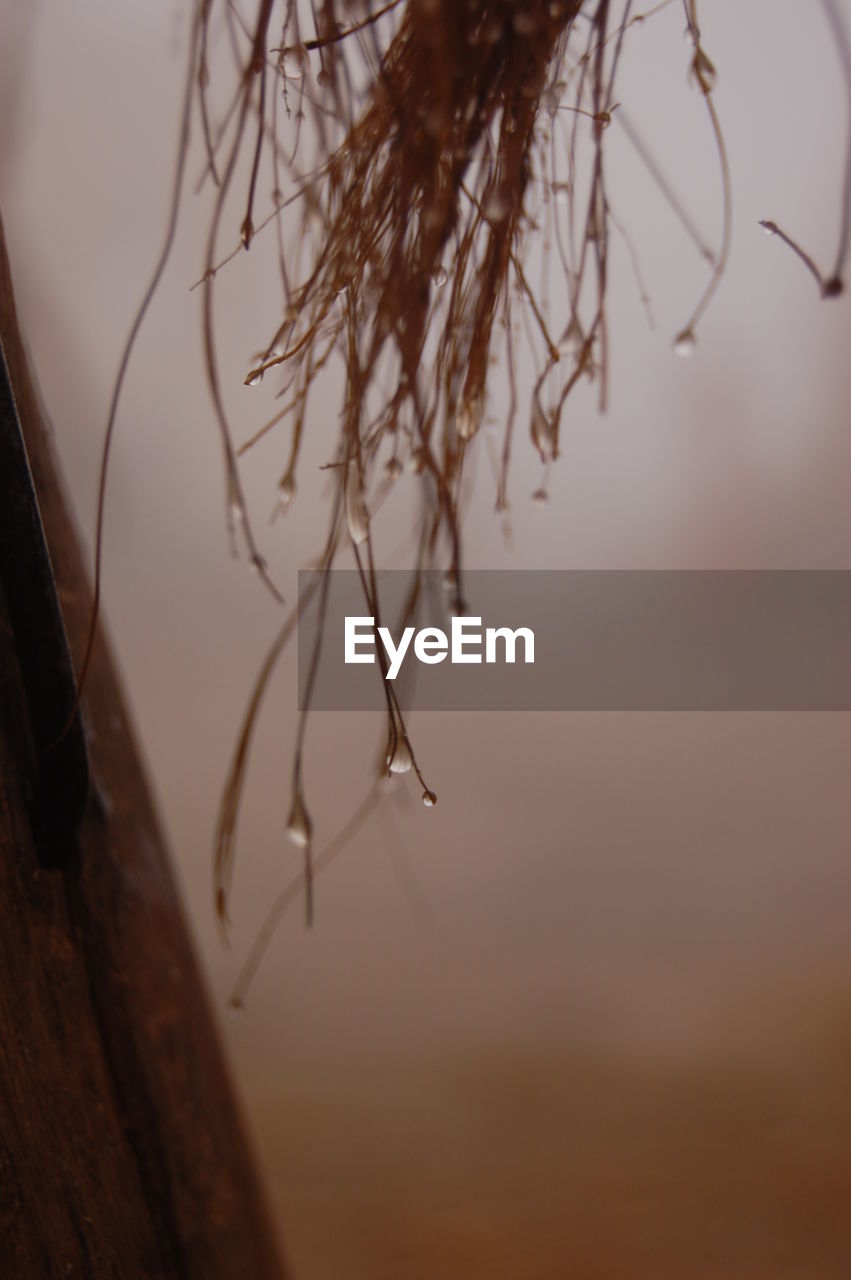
[429, 799]
[768, 228]
[832, 288]
[684, 343]
[550, 100]
[246, 231]
[439, 277]
[401, 759]
[468, 419]
[236, 1009]
[561, 192]
[540, 497]
[293, 62]
[541, 431]
[432, 217]
[703, 74]
[324, 78]
[299, 825]
[258, 565]
[602, 120]
[286, 493]
[496, 207]
[254, 378]
[357, 516]
[393, 467]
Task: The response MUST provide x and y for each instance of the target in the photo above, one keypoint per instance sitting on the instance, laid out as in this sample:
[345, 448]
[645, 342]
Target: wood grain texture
[121, 1149]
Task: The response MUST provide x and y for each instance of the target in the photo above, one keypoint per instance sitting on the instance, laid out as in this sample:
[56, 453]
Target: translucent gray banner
[618, 640]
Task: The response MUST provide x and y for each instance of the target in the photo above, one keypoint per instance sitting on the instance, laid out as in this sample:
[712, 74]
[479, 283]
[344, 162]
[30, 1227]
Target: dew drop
[246, 232]
[468, 419]
[254, 378]
[496, 208]
[439, 277]
[540, 497]
[286, 493]
[541, 431]
[293, 62]
[703, 74]
[429, 799]
[602, 120]
[393, 468]
[236, 1009]
[299, 825]
[357, 516]
[401, 759]
[324, 78]
[684, 343]
[768, 228]
[561, 192]
[550, 101]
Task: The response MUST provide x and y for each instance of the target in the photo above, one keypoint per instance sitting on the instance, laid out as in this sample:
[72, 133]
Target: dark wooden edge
[121, 1148]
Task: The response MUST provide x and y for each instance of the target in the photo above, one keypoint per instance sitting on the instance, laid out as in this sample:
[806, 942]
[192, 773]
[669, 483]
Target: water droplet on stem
[299, 825]
[684, 343]
[357, 516]
[401, 760]
[468, 419]
[293, 62]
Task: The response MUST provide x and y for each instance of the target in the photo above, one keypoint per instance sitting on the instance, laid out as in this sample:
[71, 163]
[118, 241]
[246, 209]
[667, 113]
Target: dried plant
[410, 154]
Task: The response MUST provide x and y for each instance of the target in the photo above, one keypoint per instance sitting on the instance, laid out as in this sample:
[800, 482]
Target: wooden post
[121, 1151]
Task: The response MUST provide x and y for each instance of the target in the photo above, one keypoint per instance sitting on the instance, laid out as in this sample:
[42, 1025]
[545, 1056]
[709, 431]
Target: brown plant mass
[447, 134]
[445, 138]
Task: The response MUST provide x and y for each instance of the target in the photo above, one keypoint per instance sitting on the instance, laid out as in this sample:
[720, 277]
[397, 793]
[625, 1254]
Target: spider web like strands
[445, 133]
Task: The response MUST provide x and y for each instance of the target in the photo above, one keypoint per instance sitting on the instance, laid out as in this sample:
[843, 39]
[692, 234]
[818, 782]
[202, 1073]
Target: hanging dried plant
[406, 156]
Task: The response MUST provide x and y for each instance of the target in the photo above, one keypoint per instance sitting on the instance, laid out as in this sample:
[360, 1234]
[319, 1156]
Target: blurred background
[591, 1015]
